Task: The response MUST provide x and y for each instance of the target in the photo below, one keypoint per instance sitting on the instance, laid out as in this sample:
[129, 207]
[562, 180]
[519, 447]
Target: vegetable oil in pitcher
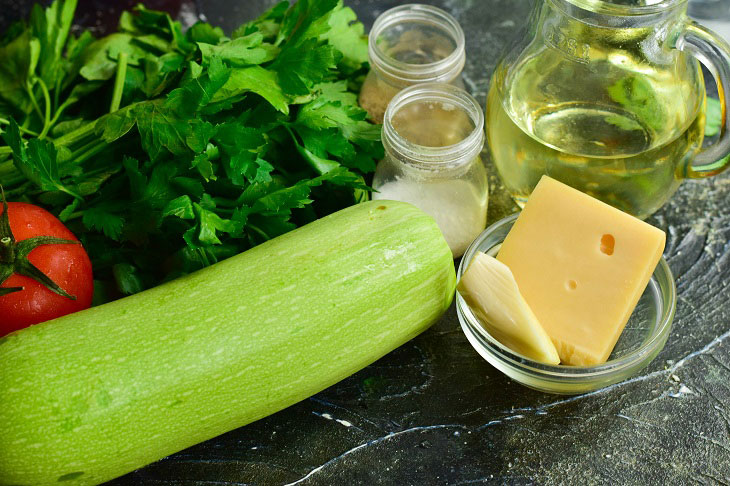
[605, 110]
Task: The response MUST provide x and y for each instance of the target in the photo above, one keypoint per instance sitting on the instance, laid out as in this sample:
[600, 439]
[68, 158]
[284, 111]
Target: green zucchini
[94, 395]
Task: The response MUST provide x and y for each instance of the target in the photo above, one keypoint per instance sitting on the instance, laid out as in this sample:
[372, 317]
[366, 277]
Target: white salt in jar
[408, 45]
[433, 136]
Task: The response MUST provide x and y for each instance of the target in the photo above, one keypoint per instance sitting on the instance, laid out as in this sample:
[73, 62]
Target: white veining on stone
[371, 443]
[670, 371]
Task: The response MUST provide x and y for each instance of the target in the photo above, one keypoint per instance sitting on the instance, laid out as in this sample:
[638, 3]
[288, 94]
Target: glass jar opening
[417, 43]
[434, 125]
[627, 7]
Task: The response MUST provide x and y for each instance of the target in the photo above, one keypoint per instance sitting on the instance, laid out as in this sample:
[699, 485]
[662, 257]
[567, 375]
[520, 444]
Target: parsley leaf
[51, 27]
[301, 67]
[204, 32]
[197, 92]
[305, 20]
[127, 278]
[713, 121]
[100, 219]
[257, 80]
[348, 36]
[18, 62]
[181, 207]
[241, 52]
[167, 151]
[162, 128]
[268, 24]
[637, 95]
[99, 60]
[37, 161]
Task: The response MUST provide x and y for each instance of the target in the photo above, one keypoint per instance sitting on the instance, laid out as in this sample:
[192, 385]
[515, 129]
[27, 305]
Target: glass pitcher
[608, 97]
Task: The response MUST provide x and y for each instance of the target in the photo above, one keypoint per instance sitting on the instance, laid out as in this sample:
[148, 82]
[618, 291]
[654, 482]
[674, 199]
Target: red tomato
[67, 265]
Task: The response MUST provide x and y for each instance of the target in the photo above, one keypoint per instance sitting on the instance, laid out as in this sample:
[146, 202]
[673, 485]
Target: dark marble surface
[434, 412]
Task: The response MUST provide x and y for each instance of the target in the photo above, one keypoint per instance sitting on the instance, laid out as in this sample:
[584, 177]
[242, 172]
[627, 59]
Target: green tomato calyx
[14, 257]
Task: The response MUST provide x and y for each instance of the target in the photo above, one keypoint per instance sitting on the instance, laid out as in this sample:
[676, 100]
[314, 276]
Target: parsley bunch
[165, 151]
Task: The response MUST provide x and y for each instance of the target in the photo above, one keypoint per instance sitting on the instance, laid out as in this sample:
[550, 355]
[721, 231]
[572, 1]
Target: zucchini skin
[97, 394]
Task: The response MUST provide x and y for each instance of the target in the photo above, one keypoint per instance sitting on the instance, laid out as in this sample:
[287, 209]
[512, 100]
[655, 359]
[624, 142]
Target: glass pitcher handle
[714, 53]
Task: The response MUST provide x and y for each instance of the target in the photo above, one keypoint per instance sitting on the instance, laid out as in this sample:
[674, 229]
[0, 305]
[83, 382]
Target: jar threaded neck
[401, 73]
[427, 157]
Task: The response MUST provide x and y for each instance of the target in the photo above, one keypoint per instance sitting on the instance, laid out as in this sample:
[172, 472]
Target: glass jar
[433, 136]
[408, 45]
[608, 97]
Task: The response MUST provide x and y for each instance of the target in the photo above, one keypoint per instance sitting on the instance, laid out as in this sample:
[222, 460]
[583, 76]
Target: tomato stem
[14, 256]
[7, 250]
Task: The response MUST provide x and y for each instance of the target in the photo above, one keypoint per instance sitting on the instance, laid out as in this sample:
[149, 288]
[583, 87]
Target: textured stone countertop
[434, 412]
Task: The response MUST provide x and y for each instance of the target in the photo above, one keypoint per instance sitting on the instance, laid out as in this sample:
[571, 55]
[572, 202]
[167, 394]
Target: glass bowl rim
[562, 372]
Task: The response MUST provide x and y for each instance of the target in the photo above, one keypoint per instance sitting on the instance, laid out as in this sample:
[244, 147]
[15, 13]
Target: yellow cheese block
[582, 266]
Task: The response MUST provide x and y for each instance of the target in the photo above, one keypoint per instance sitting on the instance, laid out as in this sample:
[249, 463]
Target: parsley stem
[3, 121]
[77, 135]
[94, 148]
[56, 93]
[33, 100]
[23, 189]
[60, 111]
[75, 215]
[260, 232]
[119, 82]
[9, 174]
[47, 117]
[85, 147]
[204, 257]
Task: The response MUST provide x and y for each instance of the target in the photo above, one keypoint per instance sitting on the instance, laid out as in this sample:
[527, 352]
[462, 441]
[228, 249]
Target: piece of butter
[490, 291]
[582, 267]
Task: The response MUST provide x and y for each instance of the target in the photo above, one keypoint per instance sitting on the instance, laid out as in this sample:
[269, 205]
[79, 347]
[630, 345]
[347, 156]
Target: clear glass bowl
[644, 336]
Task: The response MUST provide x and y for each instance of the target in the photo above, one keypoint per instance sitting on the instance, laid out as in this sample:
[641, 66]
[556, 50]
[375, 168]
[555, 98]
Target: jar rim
[425, 157]
[614, 9]
[443, 70]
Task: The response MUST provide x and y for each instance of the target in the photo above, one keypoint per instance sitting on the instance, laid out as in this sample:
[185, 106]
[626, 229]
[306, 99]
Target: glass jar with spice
[433, 136]
[408, 45]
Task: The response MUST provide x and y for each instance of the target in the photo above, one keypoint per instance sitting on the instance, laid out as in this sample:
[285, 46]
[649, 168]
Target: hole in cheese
[572, 284]
[608, 242]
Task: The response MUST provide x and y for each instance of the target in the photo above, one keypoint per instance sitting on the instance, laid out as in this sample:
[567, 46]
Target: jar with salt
[408, 45]
[433, 136]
